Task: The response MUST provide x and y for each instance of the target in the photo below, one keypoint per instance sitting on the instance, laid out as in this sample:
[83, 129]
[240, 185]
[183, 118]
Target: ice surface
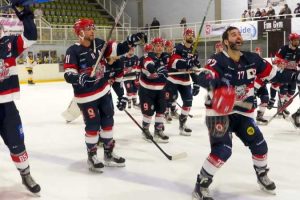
[58, 157]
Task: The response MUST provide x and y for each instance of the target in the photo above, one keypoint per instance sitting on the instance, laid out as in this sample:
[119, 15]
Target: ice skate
[201, 191]
[295, 119]
[147, 135]
[110, 158]
[160, 137]
[260, 118]
[93, 162]
[183, 129]
[30, 184]
[264, 181]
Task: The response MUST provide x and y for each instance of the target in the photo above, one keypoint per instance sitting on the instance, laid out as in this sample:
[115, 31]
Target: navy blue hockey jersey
[178, 62]
[290, 56]
[80, 59]
[241, 75]
[11, 47]
[152, 81]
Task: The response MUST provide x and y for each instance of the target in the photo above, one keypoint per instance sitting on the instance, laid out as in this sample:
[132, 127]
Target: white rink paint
[58, 157]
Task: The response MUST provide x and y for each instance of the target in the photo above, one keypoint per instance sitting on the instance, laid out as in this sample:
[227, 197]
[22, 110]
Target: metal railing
[63, 35]
[113, 9]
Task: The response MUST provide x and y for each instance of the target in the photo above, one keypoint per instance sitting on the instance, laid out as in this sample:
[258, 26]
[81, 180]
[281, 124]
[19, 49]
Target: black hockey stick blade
[170, 157]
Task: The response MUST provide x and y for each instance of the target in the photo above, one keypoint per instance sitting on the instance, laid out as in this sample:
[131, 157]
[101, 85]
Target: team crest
[250, 130]
[241, 92]
[4, 71]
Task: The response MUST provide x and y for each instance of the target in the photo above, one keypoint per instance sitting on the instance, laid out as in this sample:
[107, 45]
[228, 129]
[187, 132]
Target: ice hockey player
[131, 72]
[289, 55]
[92, 93]
[261, 91]
[218, 47]
[152, 93]
[114, 74]
[229, 81]
[171, 92]
[182, 60]
[11, 129]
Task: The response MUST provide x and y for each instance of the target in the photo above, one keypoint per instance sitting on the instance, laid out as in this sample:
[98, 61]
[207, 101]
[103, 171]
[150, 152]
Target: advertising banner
[11, 25]
[274, 25]
[248, 29]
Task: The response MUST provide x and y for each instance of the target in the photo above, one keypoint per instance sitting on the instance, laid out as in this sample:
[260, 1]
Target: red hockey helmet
[218, 45]
[189, 31]
[223, 99]
[294, 36]
[258, 49]
[169, 43]
[157, 40]
[148, 47]
[82, 23]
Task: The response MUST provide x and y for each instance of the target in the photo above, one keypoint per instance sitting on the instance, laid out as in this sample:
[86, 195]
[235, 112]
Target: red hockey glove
[223, 99]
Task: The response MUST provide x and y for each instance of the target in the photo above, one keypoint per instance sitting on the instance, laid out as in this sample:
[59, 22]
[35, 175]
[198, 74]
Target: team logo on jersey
[250, 130]
[241, 92]
[99, 73]
[4, 71]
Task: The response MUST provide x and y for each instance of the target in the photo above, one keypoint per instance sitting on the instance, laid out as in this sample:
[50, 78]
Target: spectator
[297, 10]
[245, 15]
[271, 13]
[183, 22]
[264, 14]
[155, 24]
[155, 27]
[39, 59]
[257, 14]
[285, 11]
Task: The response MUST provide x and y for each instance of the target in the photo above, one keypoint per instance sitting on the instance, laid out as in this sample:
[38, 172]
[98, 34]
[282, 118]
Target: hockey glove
[162, 71]
[196, 89]
[151, 68]
[122, 102]
[189, 63]
[138, 38]
[86, 81]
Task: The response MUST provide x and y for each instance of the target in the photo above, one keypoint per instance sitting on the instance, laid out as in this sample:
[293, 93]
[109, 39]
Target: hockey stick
[200, 30]
[191, 116]
[284, 106]
[191, 71]
[174, 157]
[101, 53]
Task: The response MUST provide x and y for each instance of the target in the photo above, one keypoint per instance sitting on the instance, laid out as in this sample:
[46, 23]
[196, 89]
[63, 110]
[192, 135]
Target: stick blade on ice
[179, 156]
